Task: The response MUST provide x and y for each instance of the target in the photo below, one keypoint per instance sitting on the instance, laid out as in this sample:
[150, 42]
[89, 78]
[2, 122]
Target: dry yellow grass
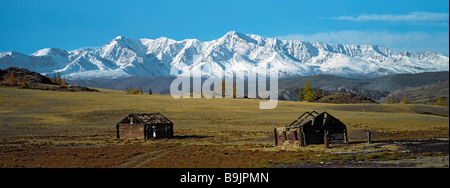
[33, 122]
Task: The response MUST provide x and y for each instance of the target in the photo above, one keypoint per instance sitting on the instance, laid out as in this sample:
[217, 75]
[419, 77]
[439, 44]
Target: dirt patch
[428, 153]
[352, 164]
[426, 146]
[419, 162]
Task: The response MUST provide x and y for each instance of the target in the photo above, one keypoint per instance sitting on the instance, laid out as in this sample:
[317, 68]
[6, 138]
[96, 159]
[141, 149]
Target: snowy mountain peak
[2, 54]
[231, 34]
[234, 36]
[124, 56]
[51, 51]
[121, 40]
[119, 37]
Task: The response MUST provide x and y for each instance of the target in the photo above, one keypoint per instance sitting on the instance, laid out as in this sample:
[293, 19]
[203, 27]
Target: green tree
[12, 79]
[446, 103]
[389, 100]
[307, 93]
[141, 91]
[223, 88]
[24, 82]
[300, 95]
[63, 81]
[59, 79]
[150, 91]
[439, 101]
[404, 100]
[54, 80]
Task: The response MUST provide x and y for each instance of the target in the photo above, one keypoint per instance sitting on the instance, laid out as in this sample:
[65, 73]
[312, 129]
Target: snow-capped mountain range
[123, 57]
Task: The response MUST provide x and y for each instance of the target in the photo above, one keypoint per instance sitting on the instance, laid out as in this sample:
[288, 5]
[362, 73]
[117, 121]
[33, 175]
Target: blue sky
[403, 25]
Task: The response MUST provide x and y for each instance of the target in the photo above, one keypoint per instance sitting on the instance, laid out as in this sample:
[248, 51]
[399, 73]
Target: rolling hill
[423, 94]
[386, 83]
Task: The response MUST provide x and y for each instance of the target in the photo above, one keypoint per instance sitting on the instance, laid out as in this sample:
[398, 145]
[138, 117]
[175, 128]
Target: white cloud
[410, 41]
[411, 17]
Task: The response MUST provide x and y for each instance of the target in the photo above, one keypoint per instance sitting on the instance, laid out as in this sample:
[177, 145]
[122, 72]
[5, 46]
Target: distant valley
[376, 88]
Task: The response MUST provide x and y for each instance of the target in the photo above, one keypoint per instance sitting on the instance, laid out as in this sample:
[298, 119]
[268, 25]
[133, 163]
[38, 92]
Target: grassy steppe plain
[77, 129]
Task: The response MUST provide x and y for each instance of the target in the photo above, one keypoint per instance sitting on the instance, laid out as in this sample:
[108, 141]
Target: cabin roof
[307, 117]
[146, 118]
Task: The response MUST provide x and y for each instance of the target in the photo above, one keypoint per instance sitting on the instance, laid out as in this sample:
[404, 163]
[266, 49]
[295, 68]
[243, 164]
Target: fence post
[325, 138]
[368, 137]
[276, 137]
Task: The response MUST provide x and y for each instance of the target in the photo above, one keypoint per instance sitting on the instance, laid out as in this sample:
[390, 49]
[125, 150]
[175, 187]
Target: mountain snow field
[124, 57]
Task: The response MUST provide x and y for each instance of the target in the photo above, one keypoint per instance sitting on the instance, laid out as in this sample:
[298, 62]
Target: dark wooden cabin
[145, 126]
[312, 128]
